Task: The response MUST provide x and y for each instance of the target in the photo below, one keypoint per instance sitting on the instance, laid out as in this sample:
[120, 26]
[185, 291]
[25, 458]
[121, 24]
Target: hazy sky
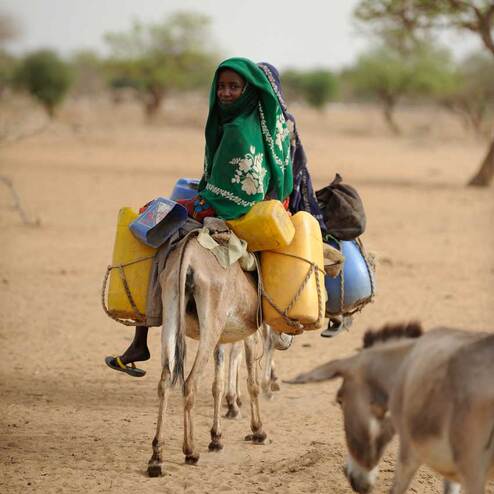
[302, 33]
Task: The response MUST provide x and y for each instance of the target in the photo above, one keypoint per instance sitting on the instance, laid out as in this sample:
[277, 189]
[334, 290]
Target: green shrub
[316, 87]
[46, 77]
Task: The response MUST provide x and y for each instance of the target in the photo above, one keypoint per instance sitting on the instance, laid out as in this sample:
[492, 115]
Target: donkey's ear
[325, 372]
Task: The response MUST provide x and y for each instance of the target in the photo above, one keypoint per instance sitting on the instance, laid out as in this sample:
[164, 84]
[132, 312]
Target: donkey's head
[368, 427]
[363, 398]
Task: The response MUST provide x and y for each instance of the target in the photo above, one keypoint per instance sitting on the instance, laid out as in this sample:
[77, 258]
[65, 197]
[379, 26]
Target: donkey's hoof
[259, 437]
[155, 470]
[215, 446]
[232, 413]
[256, 438]
[267, 395]
[275, 386]
[192, 459]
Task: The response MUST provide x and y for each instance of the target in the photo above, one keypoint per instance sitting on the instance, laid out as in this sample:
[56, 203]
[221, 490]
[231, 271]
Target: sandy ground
[69, 424]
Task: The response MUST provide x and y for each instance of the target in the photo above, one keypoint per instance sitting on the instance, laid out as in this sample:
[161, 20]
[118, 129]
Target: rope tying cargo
[293, 323]
[140, 317]
[370, 269]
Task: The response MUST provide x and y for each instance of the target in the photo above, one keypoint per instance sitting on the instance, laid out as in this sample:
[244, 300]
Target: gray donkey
[215, 306]
[435, 390]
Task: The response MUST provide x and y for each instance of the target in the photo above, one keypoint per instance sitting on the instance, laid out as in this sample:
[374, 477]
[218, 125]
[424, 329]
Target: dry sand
[69, 424]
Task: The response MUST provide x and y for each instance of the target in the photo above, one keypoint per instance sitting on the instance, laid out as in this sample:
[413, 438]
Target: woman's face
[229, 87]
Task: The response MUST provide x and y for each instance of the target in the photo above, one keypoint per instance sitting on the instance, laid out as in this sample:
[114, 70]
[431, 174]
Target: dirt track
[69, 424]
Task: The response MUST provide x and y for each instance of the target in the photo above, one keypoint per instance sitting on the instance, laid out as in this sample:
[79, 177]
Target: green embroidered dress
[247, 146]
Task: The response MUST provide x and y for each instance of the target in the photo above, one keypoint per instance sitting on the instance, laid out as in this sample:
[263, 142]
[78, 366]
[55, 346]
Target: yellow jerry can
[126, 250]
[266, 226]
[283, 274]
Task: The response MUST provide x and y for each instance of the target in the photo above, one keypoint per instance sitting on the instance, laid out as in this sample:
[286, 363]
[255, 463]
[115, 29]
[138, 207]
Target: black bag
[342, 210]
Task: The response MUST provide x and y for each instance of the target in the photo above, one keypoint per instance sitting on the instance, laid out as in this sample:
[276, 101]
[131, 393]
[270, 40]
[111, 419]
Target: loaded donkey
[214, 306]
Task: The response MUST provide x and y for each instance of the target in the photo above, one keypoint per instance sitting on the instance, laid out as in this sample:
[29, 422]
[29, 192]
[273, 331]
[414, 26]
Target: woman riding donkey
[248, 158]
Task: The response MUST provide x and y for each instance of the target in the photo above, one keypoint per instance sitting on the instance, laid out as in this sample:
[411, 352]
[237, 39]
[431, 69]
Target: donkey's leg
[190, 390]
[232, 392]
[406, 468]
[474, 485]
[268, 348]
[472, 462]
[275, 386]
[218, 388]
[451, 487]
[281, 342]
[155, 464]
[169, 364]
[471, 439]
[258, 435]
[210, 330]
[238, 392]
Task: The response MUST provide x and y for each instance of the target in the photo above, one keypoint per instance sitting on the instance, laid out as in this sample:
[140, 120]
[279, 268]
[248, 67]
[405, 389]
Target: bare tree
[17, 203]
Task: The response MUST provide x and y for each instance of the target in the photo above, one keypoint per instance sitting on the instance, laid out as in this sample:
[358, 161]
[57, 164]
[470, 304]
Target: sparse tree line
[404, 63]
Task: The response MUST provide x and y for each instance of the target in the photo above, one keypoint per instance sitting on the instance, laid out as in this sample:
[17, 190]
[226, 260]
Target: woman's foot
[138, 351]
[135, 353]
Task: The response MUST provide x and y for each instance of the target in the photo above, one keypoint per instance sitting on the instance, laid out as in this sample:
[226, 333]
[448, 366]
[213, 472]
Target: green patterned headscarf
[247, 146]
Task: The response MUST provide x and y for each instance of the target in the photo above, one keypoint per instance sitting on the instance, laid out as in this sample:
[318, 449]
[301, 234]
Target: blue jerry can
[185, 188]
[159, 221]
[356, 280]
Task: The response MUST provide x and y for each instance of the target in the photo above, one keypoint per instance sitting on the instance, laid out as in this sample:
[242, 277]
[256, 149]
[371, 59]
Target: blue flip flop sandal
[116, 363]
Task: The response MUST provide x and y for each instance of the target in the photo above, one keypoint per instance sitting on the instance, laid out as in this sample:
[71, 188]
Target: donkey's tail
[178, 372]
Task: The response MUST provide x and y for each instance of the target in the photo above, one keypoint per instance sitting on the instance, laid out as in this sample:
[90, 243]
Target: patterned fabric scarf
[247, 146]
[302, 197]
